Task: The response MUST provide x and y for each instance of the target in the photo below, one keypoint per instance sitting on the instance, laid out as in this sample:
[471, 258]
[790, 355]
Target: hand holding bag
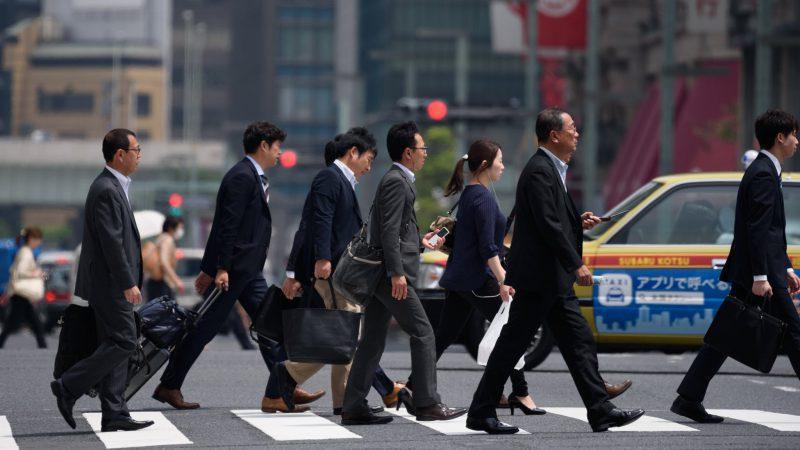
[316, 335]
[746, 333]
[493, 332]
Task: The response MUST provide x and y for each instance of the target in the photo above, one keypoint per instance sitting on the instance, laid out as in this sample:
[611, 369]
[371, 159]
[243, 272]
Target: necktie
[265, 185]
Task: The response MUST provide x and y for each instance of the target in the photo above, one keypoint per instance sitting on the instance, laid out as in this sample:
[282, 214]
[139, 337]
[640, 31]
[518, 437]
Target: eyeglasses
[424, 149]
[135, 149]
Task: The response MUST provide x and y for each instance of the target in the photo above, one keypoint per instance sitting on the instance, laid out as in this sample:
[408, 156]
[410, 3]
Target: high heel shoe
[514, 402]
[404, 398]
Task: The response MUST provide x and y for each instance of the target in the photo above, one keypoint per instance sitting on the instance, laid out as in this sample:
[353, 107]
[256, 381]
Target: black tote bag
[316, 335]
[268, 322]
[746, 333]
[360, 269]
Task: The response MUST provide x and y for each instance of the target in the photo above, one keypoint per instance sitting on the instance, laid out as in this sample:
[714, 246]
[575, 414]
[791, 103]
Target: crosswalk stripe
[776, 421]
[162, 432]
[454, 427]
[6, 438]
[305, 426]
[644, 424]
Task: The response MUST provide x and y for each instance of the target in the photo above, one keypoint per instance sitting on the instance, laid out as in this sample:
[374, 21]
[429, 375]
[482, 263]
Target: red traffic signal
[175, 200]
[437, 110]
[288, 159]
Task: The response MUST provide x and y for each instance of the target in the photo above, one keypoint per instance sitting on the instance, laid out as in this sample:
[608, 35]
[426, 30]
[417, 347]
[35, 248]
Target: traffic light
[175, 203]
[424, 108]
[288, 159]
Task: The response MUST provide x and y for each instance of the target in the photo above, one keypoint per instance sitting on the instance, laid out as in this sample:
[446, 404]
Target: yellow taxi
[660, 261]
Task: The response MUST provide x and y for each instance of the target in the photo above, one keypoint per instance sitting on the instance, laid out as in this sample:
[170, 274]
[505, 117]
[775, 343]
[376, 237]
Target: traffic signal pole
[531, 77]
[590, 138]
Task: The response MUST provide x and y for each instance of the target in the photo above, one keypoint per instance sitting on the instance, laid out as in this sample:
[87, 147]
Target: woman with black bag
[474, 276]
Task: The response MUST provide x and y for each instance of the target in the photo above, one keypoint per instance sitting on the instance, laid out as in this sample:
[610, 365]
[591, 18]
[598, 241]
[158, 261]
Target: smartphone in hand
[614, 216]
[440, 235]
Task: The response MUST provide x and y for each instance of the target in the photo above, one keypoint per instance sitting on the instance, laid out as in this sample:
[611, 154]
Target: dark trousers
[108, 365]
[573, 336]
[456, 311]
[22, 311]
[412, 319]
[250, 294]
[156, 288]
[708, 360]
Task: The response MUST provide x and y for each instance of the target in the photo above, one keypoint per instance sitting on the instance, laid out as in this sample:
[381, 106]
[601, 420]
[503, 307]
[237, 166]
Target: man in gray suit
[394, 228]
[109, 277]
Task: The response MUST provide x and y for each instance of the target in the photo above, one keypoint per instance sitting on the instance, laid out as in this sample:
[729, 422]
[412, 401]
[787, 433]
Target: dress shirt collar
[407, 171]
[561, 166]
[123, 180]
[259, 169]
[774, 160]
[348, 173]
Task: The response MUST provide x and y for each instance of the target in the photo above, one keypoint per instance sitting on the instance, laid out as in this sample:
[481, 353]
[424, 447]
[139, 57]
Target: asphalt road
[229, 383]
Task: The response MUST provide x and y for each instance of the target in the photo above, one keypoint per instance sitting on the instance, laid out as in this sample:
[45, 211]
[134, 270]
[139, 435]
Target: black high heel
[514, 402]
[405, 399]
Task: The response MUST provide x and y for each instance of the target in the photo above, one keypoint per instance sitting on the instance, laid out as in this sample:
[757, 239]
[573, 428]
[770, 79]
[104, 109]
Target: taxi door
[661, 267]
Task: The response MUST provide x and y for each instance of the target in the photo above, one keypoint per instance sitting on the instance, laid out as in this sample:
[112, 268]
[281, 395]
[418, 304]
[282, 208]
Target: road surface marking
[305, 426]
[6, 438]
[776, 421]
[162, 432]
[787, 389]
[644, 424]
[758, 381]
[454, 427]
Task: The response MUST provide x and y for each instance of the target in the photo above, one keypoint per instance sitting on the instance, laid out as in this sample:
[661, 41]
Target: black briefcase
[316, 335]
[268, 322]
[747, 333]
[77, 338]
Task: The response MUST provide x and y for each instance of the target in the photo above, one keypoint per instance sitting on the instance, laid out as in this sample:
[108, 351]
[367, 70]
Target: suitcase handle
[212, 297]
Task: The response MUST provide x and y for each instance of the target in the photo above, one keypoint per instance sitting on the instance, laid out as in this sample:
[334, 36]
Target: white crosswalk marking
[787, 389]
[305, 426]
[776, 421]
[6, 438]
[454, 427]
[644, 424]
[162, 432]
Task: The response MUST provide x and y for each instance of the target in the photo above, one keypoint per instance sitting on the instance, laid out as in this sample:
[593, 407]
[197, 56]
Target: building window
[143, 135]
[307, 103]
[66, 101]
[142, 105]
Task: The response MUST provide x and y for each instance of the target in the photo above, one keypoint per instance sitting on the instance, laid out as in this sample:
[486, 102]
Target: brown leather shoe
[439, 411]
[615, 390]
[390, 399]
[301, 397]
[272, 405]
[173, 397]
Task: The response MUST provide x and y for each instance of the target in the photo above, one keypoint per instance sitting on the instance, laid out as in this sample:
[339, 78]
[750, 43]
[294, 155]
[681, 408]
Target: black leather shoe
[614, 418]
[372, 409]
[64, 401]
[439, 411]
[364, 419]
[286, 384]
[490, 425]
[694, 411]
[125, 424]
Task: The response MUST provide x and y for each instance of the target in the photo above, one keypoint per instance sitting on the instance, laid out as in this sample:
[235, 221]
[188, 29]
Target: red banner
[561, 23]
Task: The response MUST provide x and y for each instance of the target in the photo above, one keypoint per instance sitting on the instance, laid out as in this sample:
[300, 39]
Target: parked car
[660, 261]
[187, 269]
[57, 266]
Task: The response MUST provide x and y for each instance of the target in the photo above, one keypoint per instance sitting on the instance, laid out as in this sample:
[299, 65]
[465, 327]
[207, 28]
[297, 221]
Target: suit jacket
[242, 226]
[111, 251]
[394, 224]
[331, 217]
[759, 231]
[547, 244]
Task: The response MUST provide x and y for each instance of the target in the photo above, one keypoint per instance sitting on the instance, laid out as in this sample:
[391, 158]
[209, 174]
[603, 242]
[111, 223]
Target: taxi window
[791, 203]
[631, 202]
[691, 215]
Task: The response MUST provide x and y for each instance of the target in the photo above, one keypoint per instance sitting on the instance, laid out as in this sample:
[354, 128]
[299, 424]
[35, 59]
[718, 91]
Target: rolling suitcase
[149, 357]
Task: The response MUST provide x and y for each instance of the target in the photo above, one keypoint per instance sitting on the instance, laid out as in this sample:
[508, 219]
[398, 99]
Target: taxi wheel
[540, 348]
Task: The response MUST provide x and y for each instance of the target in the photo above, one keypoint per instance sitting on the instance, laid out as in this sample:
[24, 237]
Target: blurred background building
[189, 75]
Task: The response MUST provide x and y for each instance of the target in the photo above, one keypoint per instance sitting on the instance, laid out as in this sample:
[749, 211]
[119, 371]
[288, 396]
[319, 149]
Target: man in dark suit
[110, 278]
[235, 254]
[394, 228]
[757, 265]
[544, 262]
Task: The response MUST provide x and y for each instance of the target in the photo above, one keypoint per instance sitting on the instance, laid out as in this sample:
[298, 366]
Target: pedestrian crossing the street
[309, 426]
